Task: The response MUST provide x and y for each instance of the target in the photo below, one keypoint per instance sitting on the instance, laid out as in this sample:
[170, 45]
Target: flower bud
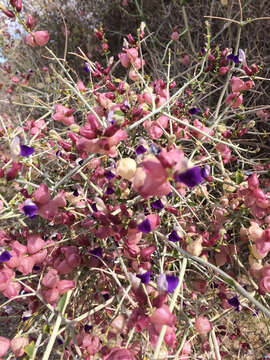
[118, 325]
[17, 345]
[195, 247]
[30, 22]
[175, 36]
[126, 168]
[202, 325]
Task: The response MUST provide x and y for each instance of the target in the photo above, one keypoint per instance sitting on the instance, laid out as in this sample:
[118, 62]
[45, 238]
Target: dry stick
[172, 305]
[203, 132]
[77, 92]
[227, 278]
[72, 172]
[174, 97]
[215, 344]
[56, 328]
[188, 31]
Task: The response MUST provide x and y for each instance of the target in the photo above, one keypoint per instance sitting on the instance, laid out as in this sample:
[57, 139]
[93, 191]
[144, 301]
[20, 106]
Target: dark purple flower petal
[86, 68]
[193, 111]
[76, 193]
[30, 209]
[94, 207]
[109, 175]
[106, 296]
[145, 277]
[36, 267]
[96, 252]
[234, 58]
[157, 205]
[26, 150]
[145, 226]
[109, 191]
[234, 302]
[174, 236]
[87, 328]
[5, 256]
[59, 341]
[140, 150]
[191, 177]
[172, 282]
[58, 153]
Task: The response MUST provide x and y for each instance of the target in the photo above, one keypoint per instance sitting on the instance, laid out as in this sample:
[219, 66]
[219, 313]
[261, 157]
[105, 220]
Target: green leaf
[61, 302]
[239, 177]
[30, 189]
[229, 282]
[29, 349]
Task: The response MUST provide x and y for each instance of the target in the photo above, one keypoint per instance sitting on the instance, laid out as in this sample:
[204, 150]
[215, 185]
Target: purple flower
[140, 150]
[157, 205]
[96, 252]
[86, 68]
[145, 277]
[235, 303]
[190, 177]
[26, 150]
[94, 207]
[109, 175]
[29, 208]
[145, 226]
[5, 256]
[75, 192]
[87, 328]
[172, 282]
[193, 111]
[234, 58]
[167, 283]
[109, 191]
[174, 236]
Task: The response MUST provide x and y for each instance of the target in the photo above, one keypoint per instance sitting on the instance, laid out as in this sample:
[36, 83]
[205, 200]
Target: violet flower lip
[30, 209]
[145, 277]
[145, 226]
[192, 177]
[5, 256]
[167, 283]
[174, 236]
[26, 150]
[157, 205]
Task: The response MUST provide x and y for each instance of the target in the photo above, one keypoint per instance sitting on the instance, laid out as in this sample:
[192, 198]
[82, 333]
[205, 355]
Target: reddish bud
[202, 325]
[247, 70]
[9, 14]
[223, 70]
[30, 22]
[254, 69]
[18, 5]
[175, 36]
[253, 182]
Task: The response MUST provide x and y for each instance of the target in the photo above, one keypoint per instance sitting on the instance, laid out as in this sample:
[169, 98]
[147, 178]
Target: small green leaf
[30, 189]
[239, 177]
[29, 349]
[61, 302]
[229, 281]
